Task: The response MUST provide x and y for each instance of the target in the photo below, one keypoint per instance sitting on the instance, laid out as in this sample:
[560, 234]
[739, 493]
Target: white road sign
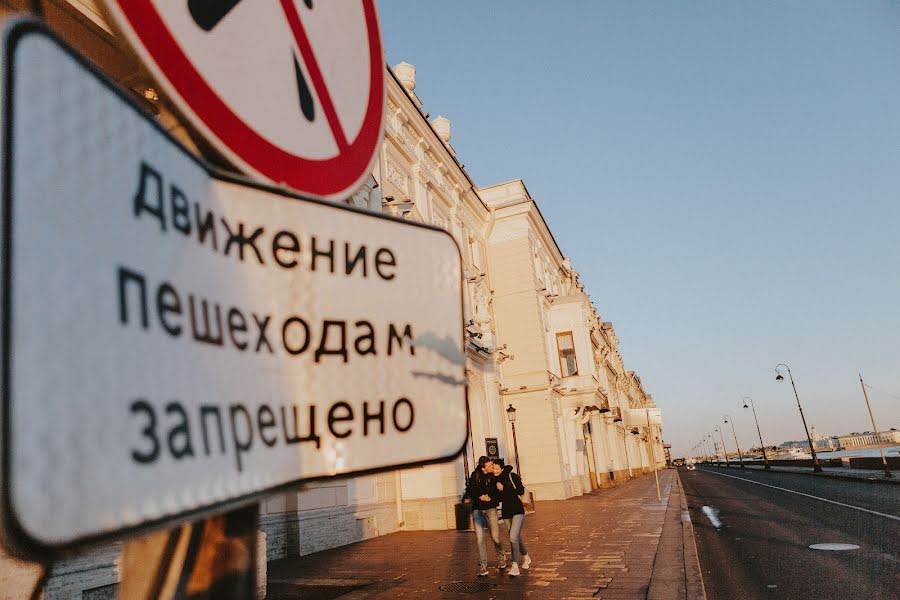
[291, 91]
[176, 342]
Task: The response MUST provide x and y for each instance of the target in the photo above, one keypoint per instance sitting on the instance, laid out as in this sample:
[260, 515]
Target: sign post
[178, 342]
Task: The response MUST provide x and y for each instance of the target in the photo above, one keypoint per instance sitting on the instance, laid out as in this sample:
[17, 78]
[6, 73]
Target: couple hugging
[490, 485]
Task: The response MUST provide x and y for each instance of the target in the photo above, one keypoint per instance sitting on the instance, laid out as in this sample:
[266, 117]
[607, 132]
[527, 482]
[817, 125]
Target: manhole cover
[834, 547]
[467, 587]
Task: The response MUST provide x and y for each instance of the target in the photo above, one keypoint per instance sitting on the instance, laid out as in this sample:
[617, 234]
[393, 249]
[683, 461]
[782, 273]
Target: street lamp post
[712, 438]
[761, 444]
[511, 415]
[740, 458]
[812, 450]
[887, 471]
[724, 449]
[625, 445]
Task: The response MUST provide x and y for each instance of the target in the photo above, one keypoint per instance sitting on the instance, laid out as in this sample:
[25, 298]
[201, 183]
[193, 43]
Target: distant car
[691, 467]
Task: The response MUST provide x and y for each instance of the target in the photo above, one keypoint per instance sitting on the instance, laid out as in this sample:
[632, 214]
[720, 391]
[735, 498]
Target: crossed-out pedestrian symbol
[291, 91]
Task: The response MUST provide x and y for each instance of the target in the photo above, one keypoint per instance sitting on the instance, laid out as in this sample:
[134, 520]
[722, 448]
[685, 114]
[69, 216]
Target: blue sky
[724, 175]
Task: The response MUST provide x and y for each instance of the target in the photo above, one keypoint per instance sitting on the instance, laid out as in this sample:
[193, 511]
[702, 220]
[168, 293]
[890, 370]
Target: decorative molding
[407, 136]
[398, 176]
[430, 165]
[466, 217]
[437, 215]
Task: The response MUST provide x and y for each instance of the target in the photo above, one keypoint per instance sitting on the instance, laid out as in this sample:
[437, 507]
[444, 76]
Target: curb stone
[676, 568]
[693, 574]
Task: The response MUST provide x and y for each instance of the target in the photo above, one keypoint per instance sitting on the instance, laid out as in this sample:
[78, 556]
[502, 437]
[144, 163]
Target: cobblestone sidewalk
[600, 545]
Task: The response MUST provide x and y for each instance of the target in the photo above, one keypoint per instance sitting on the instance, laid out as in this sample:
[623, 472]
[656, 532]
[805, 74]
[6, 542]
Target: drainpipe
[398, 497]
[487, 236]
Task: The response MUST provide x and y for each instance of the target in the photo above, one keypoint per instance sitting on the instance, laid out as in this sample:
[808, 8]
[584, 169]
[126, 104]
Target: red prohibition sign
[331, 177]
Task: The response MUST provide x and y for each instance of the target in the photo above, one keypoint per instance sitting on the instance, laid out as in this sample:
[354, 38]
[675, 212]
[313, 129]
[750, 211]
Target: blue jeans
[482, 518]
[515, 538]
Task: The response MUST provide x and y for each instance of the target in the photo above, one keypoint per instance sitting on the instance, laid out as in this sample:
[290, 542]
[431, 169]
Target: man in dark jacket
[481, 489]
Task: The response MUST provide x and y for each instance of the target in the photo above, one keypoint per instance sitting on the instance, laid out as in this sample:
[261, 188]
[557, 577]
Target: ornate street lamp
[715, 446]
[740, 458]
[724, 449]
[812, 450]
[761, 444]
[511, 415]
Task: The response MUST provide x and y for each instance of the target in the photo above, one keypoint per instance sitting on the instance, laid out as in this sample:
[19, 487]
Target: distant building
[821, 442]
[794, 444]
[868, 438]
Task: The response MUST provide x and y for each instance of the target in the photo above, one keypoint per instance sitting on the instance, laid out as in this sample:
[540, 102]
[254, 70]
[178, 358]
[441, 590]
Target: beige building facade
[567, 382]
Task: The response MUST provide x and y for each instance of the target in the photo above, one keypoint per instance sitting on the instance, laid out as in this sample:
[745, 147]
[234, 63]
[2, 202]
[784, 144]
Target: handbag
[523, 498]
[526, 498]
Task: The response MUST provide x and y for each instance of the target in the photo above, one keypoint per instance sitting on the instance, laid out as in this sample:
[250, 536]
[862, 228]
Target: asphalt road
[761, 547]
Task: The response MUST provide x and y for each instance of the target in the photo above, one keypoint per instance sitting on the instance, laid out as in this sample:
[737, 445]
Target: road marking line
[775, 487]
[685, 516]
[713, 515]
[834, 547]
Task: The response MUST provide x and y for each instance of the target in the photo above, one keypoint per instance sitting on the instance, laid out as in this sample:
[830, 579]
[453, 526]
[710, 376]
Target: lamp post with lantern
[529, 501]
[817, 468]
[761, 444]
[511, 415]
[740, 458]
[724, 450]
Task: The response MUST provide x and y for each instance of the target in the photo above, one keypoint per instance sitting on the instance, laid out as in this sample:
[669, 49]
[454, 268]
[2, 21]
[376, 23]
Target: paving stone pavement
[601, 545]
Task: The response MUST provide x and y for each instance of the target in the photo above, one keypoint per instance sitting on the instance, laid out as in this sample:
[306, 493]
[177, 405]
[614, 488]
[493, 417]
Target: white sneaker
[501, 561]
[513, 570]
[526, 562]
[482, 571]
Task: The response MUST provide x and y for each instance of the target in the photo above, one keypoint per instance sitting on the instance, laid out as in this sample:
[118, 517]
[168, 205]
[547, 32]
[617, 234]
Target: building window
[566, 346]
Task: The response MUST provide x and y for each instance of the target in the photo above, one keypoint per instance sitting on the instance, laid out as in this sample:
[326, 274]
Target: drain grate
[467, 587]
